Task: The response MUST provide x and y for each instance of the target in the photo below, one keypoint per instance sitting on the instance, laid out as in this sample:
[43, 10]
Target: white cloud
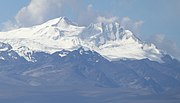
[166, 44]
[89, 7]
[38, 11]
[106, 19]
[132, 25]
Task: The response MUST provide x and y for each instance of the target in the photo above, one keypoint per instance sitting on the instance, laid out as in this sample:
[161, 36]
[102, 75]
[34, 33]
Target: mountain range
[60, 54]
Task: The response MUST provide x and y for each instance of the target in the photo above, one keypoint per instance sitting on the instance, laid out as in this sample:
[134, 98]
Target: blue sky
[158, 20]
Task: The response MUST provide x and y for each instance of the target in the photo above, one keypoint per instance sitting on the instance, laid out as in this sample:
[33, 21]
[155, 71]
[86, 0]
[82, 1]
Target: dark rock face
[88, 68]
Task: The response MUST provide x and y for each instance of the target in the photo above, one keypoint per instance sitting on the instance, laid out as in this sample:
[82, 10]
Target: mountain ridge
[108, 39]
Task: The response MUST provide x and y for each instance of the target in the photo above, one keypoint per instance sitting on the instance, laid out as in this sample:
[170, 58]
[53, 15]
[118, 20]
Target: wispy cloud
[166, 44]
[132, 25]
[107, 19]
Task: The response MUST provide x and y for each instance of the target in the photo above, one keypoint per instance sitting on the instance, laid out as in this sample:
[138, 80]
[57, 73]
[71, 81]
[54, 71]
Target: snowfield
[108, 39]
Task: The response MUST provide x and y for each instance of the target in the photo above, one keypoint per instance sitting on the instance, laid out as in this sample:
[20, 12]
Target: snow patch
[2, 58]
[63, 54]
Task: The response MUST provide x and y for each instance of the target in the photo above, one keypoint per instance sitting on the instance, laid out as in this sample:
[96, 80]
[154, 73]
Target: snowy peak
[128, 34]
[101, 32]
[58, 22]
[59, 27]
[109, 39]
[114, 42]
[65, 20]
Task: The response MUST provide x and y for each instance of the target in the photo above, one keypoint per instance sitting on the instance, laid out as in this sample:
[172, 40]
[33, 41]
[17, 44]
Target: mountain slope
[60, 53]
[83, 67]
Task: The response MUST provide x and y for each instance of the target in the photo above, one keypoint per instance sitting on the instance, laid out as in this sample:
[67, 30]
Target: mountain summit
[108, 39]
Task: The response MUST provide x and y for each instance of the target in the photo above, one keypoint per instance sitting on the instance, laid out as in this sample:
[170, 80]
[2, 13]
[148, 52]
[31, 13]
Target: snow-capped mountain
[59, 53]
[108, 39]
